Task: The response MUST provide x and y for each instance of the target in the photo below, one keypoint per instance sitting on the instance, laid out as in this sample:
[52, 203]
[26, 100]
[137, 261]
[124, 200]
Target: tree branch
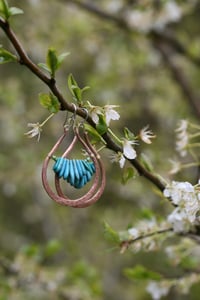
[51, 83]
[178, 75]
[126, 244]
[157, 38]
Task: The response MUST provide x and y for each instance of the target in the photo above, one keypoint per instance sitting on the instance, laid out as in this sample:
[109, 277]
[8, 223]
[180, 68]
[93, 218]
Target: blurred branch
[51, 83]
[157, 38]
[178, 75]
[126, 244]
[91, 8]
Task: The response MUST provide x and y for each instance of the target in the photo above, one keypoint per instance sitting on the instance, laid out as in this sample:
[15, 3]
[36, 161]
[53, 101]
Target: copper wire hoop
[97, 188]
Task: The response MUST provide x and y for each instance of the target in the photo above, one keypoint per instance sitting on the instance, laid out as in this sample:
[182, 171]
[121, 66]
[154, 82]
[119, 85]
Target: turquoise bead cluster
[77, 172]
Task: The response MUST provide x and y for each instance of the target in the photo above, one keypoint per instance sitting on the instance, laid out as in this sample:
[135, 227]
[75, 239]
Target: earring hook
[69, 121]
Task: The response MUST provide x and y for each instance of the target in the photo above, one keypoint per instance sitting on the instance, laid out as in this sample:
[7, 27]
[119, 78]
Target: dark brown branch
[51, 83]
[178, 75]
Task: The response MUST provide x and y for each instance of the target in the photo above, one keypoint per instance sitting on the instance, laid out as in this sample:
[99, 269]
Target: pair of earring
[76, 172]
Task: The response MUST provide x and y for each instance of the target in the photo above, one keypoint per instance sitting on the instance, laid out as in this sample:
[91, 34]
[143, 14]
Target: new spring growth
[37, 128]
[107, 111]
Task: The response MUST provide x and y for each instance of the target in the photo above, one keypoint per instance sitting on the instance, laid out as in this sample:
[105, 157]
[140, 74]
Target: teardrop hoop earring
[77, 172]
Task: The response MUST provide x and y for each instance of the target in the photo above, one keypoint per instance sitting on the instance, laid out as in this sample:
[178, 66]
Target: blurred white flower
[110, 113]
[35, 131]
[95, 111]
[178, 219]
[158, 289]
[185, 197]
[179, 192]
[128, 150]
[182, 137]
[146, 135]
[146, 20]
[134, 232]
[118, 158]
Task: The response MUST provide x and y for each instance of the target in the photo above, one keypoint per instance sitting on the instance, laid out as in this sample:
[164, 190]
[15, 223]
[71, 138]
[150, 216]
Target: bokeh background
[123, 65]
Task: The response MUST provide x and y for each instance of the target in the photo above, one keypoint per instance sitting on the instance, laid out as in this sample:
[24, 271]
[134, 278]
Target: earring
[77, 172]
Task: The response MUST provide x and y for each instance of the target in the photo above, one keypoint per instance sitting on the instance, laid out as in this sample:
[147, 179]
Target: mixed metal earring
[77, 172]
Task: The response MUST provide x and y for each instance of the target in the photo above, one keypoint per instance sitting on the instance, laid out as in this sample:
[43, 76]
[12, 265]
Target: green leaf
[147, 214]
[44, 67]
[6, 56]
[4, 9]
[111, 234]
[52, 61]
[101, 127]
[74, 88]
[52, 247]
[15, 11]
[97, 137]
[32, 250]
[50, 102]
[61, 58]
[128, 173]
[128, 134]
[9, 11]
[141, 273]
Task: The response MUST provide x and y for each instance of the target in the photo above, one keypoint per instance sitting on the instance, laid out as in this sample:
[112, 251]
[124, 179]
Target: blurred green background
[122, 68]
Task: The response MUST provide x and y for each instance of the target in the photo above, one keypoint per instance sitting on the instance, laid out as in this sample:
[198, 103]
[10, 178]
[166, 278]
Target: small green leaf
[61, 58]
[147, 214]
[55, 104]
[6, 56]
[44, 67]
[9, 11]
[4, 9]
[128, 173]
[111, 234]
[128, 134]
[141, 273]
[50, 102]
[101, 127]
[52, 61]
[15, 11]
[74, 88]
[32, 250]
[97, 137]
[85, 89]
[52, 247]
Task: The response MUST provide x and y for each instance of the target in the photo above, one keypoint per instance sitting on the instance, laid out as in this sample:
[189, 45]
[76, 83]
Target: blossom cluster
[186, 198]
[158, 289]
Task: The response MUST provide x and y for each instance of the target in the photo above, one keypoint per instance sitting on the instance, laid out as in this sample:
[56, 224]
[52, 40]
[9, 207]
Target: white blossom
[186, 198]
[134, 232]
[110, 113]
[95, 112]
[118, 158]
[178, 219]
[35, 131]
[128, 150]
[157, 289]
[146, 135]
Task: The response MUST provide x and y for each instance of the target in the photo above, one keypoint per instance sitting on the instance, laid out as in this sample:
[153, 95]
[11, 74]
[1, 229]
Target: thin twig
[51, 83]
